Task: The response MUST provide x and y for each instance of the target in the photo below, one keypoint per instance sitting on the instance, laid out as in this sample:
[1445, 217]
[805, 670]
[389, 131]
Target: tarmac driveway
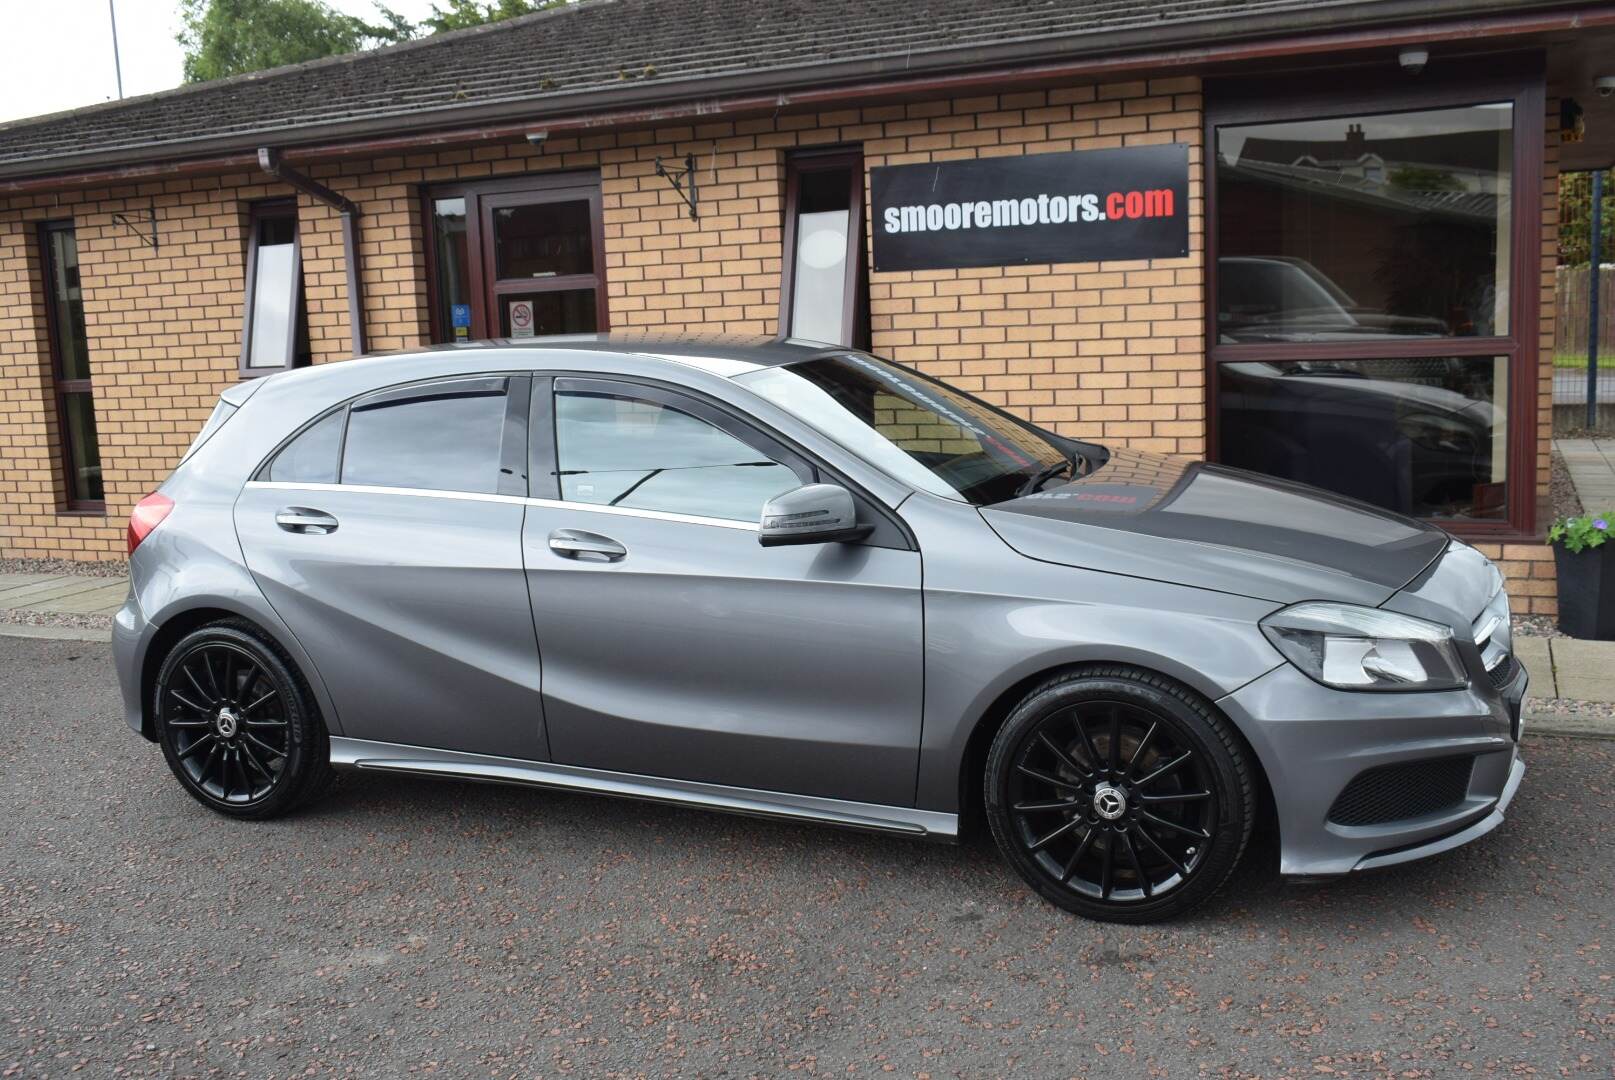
[452, 929]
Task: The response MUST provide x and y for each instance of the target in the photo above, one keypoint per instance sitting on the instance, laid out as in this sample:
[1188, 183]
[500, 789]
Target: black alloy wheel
[1119, 795]
[236, 723]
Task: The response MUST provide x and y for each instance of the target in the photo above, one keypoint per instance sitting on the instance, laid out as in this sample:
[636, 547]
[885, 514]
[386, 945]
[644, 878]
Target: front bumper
[1313, 742]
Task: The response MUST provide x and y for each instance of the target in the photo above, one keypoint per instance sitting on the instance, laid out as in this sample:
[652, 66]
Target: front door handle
[587, 546]
[300, 519]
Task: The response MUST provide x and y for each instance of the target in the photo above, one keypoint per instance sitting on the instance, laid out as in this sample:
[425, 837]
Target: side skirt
[424, 761]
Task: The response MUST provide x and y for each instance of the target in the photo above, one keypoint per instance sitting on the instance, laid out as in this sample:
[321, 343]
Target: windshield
[923, 433]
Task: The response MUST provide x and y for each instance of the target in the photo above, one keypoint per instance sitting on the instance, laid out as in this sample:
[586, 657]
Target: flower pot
[1587, 591]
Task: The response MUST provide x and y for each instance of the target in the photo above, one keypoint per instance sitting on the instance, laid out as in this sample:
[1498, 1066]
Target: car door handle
[300, 519]
[588, 546]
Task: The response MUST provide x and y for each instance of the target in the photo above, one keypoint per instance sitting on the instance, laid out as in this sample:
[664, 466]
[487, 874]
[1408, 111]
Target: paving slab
[103, 601]
[17, 581]
[1584, 670]
[35, 595]
[1591, 463]
[1533, 654]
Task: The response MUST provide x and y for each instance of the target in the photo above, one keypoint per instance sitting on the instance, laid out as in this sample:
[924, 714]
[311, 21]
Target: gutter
[1088, 57]
[270, 162]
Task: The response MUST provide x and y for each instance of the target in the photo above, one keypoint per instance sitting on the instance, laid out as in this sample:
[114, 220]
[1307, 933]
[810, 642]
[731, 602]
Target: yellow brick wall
[164, 332]
[1111, 351]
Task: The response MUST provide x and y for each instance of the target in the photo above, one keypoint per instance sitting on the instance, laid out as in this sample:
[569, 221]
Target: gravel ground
[71, 619]
[1562, 491]
[116, 568]
[416, 927]
[1537, 626]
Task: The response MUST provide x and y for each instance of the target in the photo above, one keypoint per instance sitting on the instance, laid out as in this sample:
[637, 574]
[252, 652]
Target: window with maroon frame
[823, 295]
[274, 326]
[516, 258]
[1368, 296]
[70, 368]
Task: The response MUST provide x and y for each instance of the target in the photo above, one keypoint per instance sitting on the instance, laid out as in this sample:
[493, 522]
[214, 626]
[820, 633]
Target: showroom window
[516, 258]
[274, 329]
[70, 368]
[1365, 319]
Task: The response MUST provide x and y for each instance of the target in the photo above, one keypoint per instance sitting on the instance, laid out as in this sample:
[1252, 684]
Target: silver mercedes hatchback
[792, 580]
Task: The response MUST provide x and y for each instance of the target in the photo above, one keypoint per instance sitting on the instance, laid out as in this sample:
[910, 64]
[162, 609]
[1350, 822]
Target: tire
[237, 723]
[1139, 835]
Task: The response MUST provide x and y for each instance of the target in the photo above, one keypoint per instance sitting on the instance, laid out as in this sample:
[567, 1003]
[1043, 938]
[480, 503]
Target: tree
[232, 37]
[1575, 218]
[461, 14]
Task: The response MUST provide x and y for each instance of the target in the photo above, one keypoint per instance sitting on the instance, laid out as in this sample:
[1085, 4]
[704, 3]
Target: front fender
[996, 620]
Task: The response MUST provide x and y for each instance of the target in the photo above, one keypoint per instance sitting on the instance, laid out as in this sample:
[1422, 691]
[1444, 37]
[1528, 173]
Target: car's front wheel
[237, 723]
[1119, 795]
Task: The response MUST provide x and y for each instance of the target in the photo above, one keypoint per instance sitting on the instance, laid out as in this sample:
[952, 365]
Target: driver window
[614, 450]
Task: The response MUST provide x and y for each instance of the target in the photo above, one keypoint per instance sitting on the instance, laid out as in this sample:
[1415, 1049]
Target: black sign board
[1081, 206]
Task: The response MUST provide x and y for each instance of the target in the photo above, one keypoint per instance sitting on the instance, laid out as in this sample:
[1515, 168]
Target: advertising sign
[1080, 206]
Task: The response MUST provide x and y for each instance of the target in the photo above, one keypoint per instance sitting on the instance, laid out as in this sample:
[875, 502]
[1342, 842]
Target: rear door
[676, 645]
[387, 534]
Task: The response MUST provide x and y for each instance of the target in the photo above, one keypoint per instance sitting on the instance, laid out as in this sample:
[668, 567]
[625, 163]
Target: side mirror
[811, 514]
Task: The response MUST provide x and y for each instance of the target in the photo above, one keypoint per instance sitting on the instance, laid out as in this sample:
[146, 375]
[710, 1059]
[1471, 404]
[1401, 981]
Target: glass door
[517, 258]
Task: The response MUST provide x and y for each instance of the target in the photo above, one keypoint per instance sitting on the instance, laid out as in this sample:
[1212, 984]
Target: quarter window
[616, 450]
[446, 439]
[70, 362]
[312, 457]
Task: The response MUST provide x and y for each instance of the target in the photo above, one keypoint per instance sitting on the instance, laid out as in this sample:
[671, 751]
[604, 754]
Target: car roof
[725, 355]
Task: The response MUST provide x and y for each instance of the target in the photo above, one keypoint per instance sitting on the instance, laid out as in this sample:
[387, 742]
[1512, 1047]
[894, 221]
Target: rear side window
[311, 458]
[441, 439]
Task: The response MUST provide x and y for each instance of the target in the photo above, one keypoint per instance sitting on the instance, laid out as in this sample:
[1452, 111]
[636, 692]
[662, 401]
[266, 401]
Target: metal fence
[1571, 304]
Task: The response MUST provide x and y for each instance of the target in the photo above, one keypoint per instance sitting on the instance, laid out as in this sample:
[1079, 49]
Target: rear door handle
[300, 519]
[587, 546]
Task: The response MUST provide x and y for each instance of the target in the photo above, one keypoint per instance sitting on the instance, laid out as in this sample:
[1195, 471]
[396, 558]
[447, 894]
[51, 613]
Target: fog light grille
[1407, 790]
[1503, 673]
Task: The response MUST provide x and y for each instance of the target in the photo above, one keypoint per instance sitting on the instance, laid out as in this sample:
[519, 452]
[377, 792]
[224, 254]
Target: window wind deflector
[434, 391]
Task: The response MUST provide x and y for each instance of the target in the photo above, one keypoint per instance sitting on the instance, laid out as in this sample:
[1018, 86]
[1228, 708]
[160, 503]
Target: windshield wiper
[1045, 474]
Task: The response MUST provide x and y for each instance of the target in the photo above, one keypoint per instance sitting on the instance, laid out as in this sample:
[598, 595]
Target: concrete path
[65, 594]
[1592, 470]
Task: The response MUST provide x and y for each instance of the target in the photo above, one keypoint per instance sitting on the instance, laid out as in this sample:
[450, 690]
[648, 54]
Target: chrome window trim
[521, 500]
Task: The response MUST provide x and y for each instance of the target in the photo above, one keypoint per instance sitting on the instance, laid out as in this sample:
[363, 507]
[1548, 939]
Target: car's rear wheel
[237, 723]
[1119, 795]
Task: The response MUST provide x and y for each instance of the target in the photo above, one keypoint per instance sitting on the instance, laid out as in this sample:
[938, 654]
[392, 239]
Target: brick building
[1362, 300]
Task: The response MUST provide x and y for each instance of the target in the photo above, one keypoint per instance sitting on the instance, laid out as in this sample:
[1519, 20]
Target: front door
[388, 537]
[675, 645]
[517, 258]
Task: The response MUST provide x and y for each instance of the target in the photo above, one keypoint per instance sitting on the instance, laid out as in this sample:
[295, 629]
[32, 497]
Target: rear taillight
[147, 515]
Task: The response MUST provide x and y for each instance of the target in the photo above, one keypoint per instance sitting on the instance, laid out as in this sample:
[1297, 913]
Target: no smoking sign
[521, 318]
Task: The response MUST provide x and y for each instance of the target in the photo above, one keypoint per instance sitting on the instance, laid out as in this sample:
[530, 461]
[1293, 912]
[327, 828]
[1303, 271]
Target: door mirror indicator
[811, 514]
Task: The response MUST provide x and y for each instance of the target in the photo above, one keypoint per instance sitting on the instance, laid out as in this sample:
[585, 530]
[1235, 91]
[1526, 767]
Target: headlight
[1358, 648]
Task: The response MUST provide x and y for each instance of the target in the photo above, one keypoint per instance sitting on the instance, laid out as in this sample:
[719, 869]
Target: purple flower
[1600, 523]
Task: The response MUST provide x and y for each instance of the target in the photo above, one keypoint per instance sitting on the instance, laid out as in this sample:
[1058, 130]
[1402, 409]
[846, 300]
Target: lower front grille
[1407, 790]
[1503, 673]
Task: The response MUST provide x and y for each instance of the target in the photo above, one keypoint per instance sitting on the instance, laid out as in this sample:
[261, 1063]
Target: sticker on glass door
[521, 318]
